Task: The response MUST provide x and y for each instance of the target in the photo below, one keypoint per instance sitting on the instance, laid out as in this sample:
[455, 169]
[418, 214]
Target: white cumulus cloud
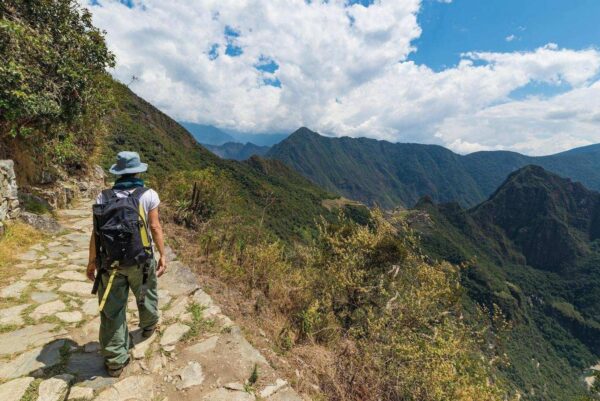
[343, 70]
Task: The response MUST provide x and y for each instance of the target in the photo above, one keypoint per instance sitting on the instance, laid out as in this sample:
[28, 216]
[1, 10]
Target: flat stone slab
[30, 361]
[204, 346]
[14, 290]
[44, 286]
[273, 388]
[287, 394]
[30, 336]
[164, 297]
[29, 256]
[48, 309]
[54, 389]
[89, 370]
[81, 393]
[77, 288]
[70, 317]
[178, 307]
[173, 334]
[72, 276]
[78, 255]
[34, 274]
[50, 262]
[201, 298]
[14, 390]
[90, 307]
[12, 316]
[131, 388]
[74, 267]
[223, 394]
[179, 280]
[43, 297]
[141, 344]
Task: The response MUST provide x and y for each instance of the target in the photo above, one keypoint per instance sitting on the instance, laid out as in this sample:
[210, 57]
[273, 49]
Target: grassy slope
[390, 174]
[555, 313]
[291, 202]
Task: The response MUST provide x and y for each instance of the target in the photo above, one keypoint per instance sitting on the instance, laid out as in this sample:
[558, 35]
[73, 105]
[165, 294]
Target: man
[113, 279]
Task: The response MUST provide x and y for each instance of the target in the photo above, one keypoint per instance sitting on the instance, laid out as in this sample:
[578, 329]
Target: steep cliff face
[9, 202]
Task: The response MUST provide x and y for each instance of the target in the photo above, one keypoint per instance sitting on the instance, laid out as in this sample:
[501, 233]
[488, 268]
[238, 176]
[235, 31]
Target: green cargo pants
[114, 335]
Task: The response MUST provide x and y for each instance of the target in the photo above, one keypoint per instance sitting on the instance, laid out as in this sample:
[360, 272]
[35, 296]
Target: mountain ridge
[237, 150]
[392, 174]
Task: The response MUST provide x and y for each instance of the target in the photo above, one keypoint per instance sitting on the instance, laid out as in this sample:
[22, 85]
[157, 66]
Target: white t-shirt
[149, 199]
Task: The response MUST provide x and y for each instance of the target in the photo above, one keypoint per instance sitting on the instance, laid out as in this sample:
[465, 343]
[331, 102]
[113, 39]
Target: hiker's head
[128, 163]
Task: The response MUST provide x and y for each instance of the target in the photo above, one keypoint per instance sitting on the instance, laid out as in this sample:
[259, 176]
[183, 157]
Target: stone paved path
[49, 332]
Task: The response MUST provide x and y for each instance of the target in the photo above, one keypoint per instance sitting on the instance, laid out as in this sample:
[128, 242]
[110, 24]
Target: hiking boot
[116, 371]
[147, 332]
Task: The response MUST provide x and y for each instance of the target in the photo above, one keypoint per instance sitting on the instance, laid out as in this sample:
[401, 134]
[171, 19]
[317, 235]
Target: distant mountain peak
[304, 132]
[549, 217]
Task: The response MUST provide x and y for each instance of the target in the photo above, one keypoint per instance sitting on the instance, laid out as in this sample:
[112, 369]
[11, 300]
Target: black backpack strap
[138, 192]
[107, 194]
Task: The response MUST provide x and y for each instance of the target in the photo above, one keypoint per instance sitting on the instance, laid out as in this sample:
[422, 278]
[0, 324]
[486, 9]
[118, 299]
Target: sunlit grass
[17, 238]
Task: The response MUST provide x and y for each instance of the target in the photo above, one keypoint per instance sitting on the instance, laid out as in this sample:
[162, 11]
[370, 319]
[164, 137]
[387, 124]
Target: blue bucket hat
[128, 163]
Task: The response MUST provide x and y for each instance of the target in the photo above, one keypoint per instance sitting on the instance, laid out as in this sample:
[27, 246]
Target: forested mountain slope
[391, 174]
[533, 249]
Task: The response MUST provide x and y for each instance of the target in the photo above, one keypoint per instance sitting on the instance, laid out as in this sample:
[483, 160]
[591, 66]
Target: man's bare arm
[157, 235]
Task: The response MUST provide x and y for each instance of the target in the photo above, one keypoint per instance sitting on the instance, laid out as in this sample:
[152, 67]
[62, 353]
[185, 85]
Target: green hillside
[391, 174]
[289, 202]
[534, 251]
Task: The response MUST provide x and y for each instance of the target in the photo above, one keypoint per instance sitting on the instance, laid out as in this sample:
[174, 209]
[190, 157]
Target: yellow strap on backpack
[105, 296]
[144, 230]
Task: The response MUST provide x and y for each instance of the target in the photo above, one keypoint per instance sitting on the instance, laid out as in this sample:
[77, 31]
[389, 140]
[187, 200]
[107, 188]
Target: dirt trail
[49, 331]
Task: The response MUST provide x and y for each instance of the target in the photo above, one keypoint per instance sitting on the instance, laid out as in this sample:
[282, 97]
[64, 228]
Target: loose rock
[54, 389]
[190, 376]
[15, 389]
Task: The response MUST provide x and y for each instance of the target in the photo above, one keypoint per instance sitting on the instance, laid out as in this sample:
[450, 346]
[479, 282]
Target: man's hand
[91, 270]
[162, 266]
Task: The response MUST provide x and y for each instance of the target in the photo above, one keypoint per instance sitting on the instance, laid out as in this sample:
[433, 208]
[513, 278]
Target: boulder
[43, 223]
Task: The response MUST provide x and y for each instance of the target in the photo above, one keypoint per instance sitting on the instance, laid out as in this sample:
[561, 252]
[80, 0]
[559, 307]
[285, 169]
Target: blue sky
[467, 74]
[450, 29]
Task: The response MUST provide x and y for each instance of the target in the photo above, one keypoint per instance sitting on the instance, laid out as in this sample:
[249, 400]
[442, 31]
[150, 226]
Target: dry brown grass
[17, 238]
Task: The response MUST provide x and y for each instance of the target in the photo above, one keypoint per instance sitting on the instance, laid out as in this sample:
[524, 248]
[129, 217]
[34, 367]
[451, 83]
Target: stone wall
[9, 200]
